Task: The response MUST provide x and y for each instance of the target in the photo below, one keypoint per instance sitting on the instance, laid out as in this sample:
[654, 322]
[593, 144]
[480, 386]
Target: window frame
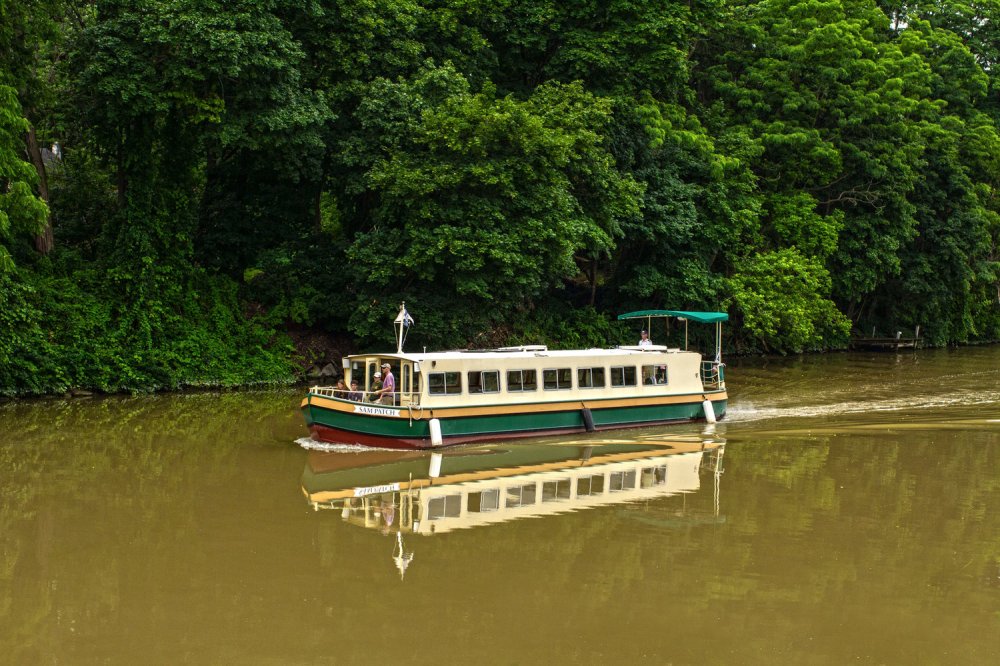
[522, 389]
[658, 372]
[623, 374]
[568, 372]
[479, 387]
[444, 379]
[590, 371]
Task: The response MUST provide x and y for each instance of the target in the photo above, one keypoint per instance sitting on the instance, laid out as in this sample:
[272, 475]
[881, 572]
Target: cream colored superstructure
[682, 371]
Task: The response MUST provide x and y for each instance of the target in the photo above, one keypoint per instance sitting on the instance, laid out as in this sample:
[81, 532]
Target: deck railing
[402, 398]
[713, 375]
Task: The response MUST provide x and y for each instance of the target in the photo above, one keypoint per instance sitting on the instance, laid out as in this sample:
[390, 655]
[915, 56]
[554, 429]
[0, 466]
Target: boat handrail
[712, 374]
[400, 398]
[522, 348]
[649, 348]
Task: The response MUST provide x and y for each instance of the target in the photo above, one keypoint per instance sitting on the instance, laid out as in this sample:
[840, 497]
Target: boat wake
[315, 445]
[744, 412]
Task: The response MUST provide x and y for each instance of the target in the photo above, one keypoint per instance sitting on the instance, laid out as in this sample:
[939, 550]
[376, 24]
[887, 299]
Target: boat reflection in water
[431, 493]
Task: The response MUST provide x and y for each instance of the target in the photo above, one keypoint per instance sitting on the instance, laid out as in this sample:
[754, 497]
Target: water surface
[853, 515]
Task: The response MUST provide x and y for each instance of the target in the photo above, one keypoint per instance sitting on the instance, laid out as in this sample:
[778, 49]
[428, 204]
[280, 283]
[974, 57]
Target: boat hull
[344, 422]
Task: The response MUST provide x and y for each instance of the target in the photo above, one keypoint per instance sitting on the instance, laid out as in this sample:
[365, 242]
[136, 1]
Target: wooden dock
[890, 343]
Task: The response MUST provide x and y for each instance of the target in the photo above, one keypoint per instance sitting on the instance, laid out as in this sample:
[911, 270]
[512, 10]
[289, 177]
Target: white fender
[435, 428]
[709, 411]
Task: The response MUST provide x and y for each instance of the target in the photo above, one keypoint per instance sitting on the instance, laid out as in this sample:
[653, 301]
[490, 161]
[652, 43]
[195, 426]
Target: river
[847, 510]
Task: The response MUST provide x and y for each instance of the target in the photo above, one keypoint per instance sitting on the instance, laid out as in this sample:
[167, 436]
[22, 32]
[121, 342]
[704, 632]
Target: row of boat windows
[553, 379]
[450, 506]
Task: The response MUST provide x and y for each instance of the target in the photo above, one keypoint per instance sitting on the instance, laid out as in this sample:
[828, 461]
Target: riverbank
[304, 356]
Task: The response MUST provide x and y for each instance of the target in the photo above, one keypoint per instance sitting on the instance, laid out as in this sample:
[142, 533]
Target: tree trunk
[45, 241]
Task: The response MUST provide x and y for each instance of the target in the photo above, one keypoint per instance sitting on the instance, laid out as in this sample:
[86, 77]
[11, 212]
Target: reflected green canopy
[700, 317]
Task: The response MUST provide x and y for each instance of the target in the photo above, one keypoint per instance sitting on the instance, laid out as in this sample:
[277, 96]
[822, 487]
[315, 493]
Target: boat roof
[700, 317]
[528, 351]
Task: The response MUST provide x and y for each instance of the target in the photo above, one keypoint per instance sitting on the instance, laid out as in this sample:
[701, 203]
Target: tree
[27, 28]
[783, 298]
[483, 201]
[22, 212]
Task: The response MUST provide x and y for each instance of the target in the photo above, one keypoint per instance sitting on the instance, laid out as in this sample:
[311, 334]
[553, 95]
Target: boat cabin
[533, 374]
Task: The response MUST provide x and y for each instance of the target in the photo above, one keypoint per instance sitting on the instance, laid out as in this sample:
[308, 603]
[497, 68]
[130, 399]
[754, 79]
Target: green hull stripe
[514, 423]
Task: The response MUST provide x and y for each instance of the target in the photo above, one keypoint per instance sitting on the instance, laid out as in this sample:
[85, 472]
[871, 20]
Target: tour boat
[454, 397]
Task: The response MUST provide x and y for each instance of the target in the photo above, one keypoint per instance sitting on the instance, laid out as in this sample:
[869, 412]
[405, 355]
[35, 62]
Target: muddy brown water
[852, 516]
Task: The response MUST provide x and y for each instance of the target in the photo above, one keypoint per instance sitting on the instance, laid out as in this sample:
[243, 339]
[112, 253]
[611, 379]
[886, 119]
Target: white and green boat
[454, 397]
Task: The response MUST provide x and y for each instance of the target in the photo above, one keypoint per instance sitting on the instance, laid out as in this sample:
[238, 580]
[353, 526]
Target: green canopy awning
[700, 317]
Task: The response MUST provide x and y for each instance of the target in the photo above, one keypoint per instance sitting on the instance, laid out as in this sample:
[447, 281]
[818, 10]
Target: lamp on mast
[402, 325]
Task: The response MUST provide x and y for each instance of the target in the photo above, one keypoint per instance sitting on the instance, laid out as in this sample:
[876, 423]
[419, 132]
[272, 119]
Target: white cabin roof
[525, 352]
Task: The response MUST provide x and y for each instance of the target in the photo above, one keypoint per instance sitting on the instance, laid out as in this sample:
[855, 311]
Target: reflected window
[557, 379]
[590, 485]
[553, 491]
[621, 481]
[521, 495]
[590, 378]
[623, 375]
[653, 476]
[444, 383]
[449, 506]
[484, 502]
[522, 380]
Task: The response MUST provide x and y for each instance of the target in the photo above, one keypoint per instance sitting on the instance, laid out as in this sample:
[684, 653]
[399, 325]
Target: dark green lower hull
[329, 425]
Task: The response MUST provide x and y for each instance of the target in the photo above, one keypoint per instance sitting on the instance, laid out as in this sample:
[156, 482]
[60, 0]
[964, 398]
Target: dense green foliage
[513, 170]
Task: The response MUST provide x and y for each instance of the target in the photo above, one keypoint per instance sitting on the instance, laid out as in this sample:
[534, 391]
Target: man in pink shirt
[388, 391]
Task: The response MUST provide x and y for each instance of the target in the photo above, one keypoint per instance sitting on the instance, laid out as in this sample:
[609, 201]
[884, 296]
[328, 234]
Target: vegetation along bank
[196, 193]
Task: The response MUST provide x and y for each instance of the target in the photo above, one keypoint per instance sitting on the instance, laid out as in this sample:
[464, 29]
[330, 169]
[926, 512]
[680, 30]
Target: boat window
[590, 378]
[358, 372]
[449, 506]
[623, 376]
[553, 491]
[487, 381]
[557, 379]
[654, 374]
[444, 383]
[484, 502]
[521, 495]
[522, 380]
[621, 481]
[590, 485]
[653, 476]
[411, 380]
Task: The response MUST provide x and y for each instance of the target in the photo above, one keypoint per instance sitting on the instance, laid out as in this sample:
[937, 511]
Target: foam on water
[315, 445]
[750, 412]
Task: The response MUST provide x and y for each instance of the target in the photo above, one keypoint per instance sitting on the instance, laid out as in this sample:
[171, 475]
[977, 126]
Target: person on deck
[376, 387]
[644, 340]
[388, 391]
[355, 394]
